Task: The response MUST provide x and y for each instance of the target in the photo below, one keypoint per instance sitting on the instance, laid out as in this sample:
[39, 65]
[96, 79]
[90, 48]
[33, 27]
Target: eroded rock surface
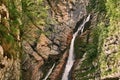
[9, 56]
[57, 39]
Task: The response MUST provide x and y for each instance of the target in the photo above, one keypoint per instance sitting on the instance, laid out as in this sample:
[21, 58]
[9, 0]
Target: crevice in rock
[78, 24]
[2, 66]
[33, 48]
[48, 63]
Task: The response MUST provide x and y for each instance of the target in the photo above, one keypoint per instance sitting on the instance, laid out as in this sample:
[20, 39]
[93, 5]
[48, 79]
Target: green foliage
[113, 12]
[3, 30]
[36, 11]
[9, 45]
[79, 47]
[14, 14]
[97, 6]
[9, 30]
[107, 10]
[9, 39]
[113, 8]
[91, 52]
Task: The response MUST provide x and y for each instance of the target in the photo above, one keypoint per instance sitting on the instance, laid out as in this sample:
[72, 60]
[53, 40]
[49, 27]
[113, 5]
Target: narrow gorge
[59, 39]
[71, 58]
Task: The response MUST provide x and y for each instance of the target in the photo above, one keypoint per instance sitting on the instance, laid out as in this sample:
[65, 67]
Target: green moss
[96, 6]
[79, 48]
[35, 11]
[107, 25]
[112, 12]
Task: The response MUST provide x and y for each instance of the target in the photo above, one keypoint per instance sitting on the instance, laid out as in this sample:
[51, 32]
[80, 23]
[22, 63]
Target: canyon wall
[34, 35]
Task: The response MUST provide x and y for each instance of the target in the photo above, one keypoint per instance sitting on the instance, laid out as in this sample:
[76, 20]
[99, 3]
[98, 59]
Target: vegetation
[36, 11]
[108, 12]
[19, 17]
[96, 6]
[112, 8]
[21, 13]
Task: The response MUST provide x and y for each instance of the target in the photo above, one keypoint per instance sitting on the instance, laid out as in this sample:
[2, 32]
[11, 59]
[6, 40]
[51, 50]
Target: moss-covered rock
[101, 55]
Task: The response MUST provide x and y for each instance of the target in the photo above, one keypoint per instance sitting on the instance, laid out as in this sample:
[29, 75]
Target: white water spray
[71, 60]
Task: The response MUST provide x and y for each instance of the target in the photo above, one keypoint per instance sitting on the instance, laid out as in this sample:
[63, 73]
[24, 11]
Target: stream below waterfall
[71, 59]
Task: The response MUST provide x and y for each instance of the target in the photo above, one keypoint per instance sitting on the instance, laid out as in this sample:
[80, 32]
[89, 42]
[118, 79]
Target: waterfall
[49, 72]
[71, 60]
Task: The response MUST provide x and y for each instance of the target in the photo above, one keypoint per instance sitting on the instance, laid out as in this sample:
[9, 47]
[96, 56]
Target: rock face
[99, 49]
[32, 63]
[111, 52]
[56, 74]
[9, 56]
[7, 66]
[66, 14]
[43, 47]
[96, 50]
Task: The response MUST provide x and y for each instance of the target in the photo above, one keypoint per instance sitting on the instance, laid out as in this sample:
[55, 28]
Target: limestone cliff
[53, 46]
[36, 34]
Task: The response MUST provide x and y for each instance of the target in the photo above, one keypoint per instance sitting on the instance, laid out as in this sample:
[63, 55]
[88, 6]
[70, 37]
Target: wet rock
[69, 38]
[58, 69]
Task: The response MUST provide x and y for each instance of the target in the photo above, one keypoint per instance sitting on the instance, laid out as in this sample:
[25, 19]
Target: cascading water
[71, 60]
[49, 72]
